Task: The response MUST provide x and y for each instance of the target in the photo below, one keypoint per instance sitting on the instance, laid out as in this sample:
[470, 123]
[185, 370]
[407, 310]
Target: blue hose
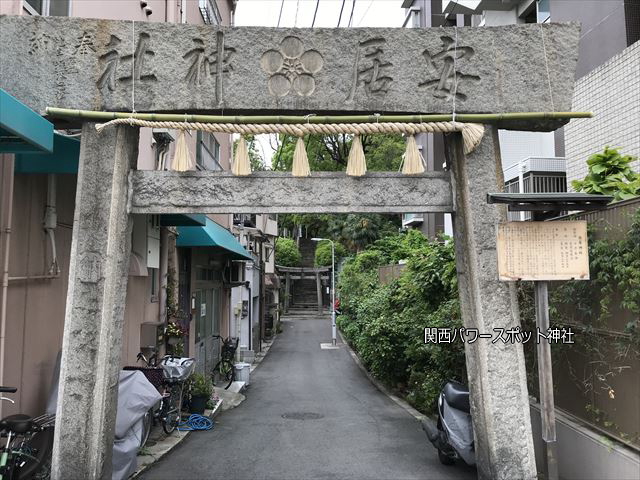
[196, 422]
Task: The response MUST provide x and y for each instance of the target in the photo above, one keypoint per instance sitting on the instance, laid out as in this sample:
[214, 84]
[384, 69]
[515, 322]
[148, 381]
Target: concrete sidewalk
[310, 414]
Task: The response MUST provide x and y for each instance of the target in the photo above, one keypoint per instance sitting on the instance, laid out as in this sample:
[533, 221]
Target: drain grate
[302, 416]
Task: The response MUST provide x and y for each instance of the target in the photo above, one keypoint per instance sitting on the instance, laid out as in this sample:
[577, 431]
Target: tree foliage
[353, 231]
[610, 173]
[329, 153]
[287, 253]
[323, 253]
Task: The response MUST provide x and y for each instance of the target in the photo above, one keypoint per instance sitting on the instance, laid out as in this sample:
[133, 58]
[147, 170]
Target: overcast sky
[366, 13]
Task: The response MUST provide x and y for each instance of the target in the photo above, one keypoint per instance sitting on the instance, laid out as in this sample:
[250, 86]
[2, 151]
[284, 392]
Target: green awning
[214, 236]
[21, 129]
[64, 159]
[183, 220]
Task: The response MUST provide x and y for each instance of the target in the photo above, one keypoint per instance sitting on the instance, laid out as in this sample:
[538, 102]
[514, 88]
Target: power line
[353, 6]
[280, 16]
[602, 20]
[315, 13]
[365, 13]
[341, 9]
[295, 22]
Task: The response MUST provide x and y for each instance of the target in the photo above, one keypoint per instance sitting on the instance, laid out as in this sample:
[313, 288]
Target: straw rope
[471, 131]
[298, 130]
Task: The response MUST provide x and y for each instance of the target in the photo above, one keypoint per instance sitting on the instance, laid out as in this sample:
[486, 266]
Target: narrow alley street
[310, 413]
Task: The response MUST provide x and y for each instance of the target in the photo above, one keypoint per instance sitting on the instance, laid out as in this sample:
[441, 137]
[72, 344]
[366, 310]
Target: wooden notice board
[543, 251]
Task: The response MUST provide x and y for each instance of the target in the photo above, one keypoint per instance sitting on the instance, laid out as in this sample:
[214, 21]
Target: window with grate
[210, 12]
[208, 152]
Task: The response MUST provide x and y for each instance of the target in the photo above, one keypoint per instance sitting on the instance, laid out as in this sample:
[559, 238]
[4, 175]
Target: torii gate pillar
[497, 375]
[92, 344]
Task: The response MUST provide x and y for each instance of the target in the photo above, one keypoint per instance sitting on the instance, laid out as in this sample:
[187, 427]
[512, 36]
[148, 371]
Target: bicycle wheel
[36, 465]
[228, 372]
[171, 418]
[147, 422]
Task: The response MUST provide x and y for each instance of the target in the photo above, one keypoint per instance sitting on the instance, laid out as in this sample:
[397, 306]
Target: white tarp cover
[460, 430]
[179, 369]
[136, 395]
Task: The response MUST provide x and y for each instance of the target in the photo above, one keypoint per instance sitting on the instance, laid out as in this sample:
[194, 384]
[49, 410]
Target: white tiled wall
[612, 93]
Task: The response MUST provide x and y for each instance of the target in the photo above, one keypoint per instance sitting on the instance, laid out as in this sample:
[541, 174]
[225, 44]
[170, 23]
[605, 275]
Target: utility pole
[334, 332]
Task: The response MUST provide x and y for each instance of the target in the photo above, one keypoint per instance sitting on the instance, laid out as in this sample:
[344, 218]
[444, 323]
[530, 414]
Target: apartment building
[606, 83]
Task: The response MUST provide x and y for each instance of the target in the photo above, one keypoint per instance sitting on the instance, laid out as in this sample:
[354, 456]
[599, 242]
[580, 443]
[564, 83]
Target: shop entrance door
[207, 320]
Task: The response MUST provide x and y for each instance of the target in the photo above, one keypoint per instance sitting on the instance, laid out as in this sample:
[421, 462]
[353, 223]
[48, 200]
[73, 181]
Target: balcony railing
[412, 219]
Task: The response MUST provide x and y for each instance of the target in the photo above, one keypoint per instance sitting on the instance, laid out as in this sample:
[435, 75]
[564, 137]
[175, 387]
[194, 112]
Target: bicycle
[168, 377]
[225, 366]
[27, 451]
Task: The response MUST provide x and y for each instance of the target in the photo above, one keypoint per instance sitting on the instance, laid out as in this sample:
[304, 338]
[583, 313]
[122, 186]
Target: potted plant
[201, 391]
[175, 333]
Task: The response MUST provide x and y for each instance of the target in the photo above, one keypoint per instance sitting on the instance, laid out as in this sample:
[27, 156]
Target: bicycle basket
[155, 375]
[178, 369]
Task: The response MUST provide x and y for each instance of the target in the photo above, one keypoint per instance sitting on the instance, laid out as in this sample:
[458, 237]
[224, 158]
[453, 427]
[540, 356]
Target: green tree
[384, 153]
[323, 254]
[610, 173]
[328, 153]
[287, 253]
[315, 223]
[356, 231]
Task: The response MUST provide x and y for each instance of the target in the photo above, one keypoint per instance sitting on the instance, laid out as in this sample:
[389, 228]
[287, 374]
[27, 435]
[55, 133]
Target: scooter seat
[17, 423]
[457, 396]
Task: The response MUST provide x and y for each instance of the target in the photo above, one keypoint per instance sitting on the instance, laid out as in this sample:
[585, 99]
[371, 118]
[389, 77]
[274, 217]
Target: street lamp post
[333, 288]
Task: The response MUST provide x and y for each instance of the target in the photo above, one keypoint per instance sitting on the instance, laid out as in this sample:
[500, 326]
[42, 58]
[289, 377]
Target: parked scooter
[453, 433]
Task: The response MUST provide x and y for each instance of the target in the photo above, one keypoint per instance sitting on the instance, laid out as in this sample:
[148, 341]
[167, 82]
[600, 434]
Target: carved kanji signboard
[115, 65]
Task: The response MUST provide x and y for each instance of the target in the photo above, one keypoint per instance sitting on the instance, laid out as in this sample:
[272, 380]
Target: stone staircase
[304, 297]
[308, 251]
[304, 294]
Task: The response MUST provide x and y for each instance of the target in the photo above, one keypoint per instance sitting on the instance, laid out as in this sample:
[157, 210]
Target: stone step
[237, 387]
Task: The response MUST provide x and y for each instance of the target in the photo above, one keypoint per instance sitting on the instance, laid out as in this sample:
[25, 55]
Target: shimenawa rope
[471, 132]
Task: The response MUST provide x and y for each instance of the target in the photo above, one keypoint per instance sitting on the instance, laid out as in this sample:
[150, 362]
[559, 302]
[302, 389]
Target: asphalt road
[309, 414]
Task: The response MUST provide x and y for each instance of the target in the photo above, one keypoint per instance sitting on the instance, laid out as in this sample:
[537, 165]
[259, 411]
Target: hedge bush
[385, 323]
[287, 252]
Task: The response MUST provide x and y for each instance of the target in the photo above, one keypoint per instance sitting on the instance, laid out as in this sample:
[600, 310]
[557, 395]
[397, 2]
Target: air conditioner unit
[162, 135]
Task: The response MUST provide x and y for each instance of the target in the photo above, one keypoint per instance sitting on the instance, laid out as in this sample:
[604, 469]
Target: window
[47, 7]
[155, 284]
[210, 12]
[544, 12]
[632, 20]
[208, 152]
[204, 274]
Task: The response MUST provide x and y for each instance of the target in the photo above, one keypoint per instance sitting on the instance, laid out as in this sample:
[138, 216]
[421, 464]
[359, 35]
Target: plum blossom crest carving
[291, 68]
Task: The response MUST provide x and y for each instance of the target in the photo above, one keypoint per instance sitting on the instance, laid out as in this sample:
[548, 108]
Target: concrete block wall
[612, 93]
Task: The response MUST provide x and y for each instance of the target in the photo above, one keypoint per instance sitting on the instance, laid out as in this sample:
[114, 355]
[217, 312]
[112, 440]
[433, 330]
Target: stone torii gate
[152, 67]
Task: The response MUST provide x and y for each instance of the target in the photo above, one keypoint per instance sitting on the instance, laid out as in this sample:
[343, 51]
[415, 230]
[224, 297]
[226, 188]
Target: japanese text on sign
[543, 251]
